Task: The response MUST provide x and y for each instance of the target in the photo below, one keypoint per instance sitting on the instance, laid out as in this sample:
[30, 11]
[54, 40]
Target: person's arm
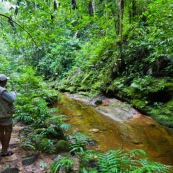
[9, 97]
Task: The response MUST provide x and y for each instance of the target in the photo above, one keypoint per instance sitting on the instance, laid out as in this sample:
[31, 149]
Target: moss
[98, 102]
[138, 103]
[62, 145]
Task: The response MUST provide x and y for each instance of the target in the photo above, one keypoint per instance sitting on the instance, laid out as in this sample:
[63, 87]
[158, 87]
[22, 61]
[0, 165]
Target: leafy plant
[43, 137]
[62, 163]
[117, 161]
[78, 142]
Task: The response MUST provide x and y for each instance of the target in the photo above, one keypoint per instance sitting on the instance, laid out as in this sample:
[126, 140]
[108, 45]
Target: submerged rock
[94, 130]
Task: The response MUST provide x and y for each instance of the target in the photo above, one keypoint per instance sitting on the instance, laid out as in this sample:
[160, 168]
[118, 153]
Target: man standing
[7, 109]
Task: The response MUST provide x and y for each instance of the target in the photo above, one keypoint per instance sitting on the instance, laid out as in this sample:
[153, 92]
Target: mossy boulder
[62, 145]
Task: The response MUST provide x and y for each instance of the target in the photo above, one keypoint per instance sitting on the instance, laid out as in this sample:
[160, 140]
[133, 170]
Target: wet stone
[92, 143]
[136, 142]
[10, 170]
[29, 160]
[94, 130]
[98, 102]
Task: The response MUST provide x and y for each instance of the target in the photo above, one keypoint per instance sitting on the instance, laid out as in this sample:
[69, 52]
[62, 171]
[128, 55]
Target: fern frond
[137, 152]
[65, 127]
[155, 166]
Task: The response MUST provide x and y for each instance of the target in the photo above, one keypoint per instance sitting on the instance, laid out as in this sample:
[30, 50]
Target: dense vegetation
[120, 48]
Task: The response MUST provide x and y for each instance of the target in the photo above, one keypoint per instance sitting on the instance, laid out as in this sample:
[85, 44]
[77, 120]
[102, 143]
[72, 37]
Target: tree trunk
[91, 8]
[74, 5]
[120, 33]
[121, 15]
[94, 6]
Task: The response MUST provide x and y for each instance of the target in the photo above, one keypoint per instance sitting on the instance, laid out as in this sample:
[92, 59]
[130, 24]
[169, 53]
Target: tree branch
[10, 19]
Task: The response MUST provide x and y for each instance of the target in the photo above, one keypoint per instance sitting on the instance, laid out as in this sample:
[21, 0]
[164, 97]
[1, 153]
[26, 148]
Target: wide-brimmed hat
[3, 77]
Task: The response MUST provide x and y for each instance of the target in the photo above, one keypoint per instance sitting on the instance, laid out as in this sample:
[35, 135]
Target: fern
[28, 145]
[65, 127]
[152, 167]
[62, 163]
[78, 142]
[108, 161]
[118, 161]
[57, 118]
[84, 170]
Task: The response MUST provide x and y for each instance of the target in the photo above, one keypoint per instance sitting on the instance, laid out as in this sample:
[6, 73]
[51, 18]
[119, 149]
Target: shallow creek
[115, 125]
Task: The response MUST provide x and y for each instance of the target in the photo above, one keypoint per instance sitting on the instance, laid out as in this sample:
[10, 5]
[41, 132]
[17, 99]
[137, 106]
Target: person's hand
[13, 93]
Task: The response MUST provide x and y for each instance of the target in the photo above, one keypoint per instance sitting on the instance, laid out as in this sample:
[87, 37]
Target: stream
[114, 124]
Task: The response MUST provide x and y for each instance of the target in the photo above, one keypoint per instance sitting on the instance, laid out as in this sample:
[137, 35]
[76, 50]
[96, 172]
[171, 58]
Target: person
[7, 109]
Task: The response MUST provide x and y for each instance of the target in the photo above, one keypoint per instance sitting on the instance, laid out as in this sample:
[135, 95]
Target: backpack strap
[2, 90]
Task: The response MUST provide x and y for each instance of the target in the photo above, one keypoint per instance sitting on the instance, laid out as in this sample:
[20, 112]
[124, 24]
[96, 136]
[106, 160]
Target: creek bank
[114, 124]
[25, 160]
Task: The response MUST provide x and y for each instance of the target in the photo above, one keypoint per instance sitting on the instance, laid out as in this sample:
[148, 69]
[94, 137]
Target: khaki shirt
[7, 108]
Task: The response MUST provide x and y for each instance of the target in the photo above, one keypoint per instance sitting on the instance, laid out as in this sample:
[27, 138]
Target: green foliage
[85, 51]
[46, 145]
[62, 163]
[36, 141]
[159, 19]
[41, 139]
[142, 87]
[45, 127]
[162, 113]
[78, 142]
[4, 65]
[57, 59]
[65, 127]
[62, 146]
[44, 136]
[117, 161]
[89, 69]
[31, 103]
[148, 166]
